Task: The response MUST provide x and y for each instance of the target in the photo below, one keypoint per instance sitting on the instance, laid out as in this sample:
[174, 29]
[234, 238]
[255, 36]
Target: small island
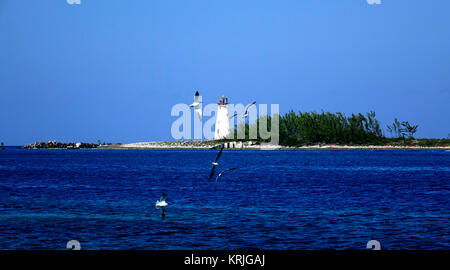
[309, 130]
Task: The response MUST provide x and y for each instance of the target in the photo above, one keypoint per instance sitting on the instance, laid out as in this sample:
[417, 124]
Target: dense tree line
[306, 128]
[325, 127]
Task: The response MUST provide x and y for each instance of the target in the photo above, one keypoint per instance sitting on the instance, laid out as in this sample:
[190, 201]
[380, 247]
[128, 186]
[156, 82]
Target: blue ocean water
[304, 199]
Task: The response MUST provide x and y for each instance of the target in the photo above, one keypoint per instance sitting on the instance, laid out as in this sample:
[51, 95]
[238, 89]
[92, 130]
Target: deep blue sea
[301, 199]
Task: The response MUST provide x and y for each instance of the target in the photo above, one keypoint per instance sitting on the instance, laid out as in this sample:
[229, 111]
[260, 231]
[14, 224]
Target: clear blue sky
[112, 70]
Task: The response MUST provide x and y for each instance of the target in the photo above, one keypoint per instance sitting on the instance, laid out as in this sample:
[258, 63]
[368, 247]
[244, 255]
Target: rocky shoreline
[201, 144]
[59, 145]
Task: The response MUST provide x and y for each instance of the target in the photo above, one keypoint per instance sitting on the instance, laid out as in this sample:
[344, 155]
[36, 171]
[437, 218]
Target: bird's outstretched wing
[212, 172]
[226, 170]
[218, 155]
[214, 165]
[233, 115]
[220, 174]
[248, 107]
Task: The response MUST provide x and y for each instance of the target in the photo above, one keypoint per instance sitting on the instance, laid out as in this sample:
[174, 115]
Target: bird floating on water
[162, 204]
[196, 105]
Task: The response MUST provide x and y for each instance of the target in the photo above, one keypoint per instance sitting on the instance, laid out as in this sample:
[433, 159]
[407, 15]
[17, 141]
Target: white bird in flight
[215, 163]
[220, 174]
[246, 111]
[196, 105]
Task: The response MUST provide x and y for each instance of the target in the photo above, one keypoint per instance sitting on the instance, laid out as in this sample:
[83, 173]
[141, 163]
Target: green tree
[409, 129]
[396, 129]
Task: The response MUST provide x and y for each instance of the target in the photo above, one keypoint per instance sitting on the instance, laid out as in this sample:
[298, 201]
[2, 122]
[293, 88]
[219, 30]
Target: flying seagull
[220, 174]
[215, 163]
[196, 105]
[246, 111]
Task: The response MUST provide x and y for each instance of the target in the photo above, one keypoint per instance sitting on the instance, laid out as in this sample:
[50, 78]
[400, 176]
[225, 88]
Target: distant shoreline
[213, 144]
[197, 146]
[277, 149]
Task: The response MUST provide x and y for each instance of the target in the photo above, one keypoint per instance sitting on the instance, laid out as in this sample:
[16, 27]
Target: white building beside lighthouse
[222, 121]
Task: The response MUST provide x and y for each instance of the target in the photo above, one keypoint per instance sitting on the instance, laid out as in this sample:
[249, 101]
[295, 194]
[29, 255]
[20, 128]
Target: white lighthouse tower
[222, 120]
